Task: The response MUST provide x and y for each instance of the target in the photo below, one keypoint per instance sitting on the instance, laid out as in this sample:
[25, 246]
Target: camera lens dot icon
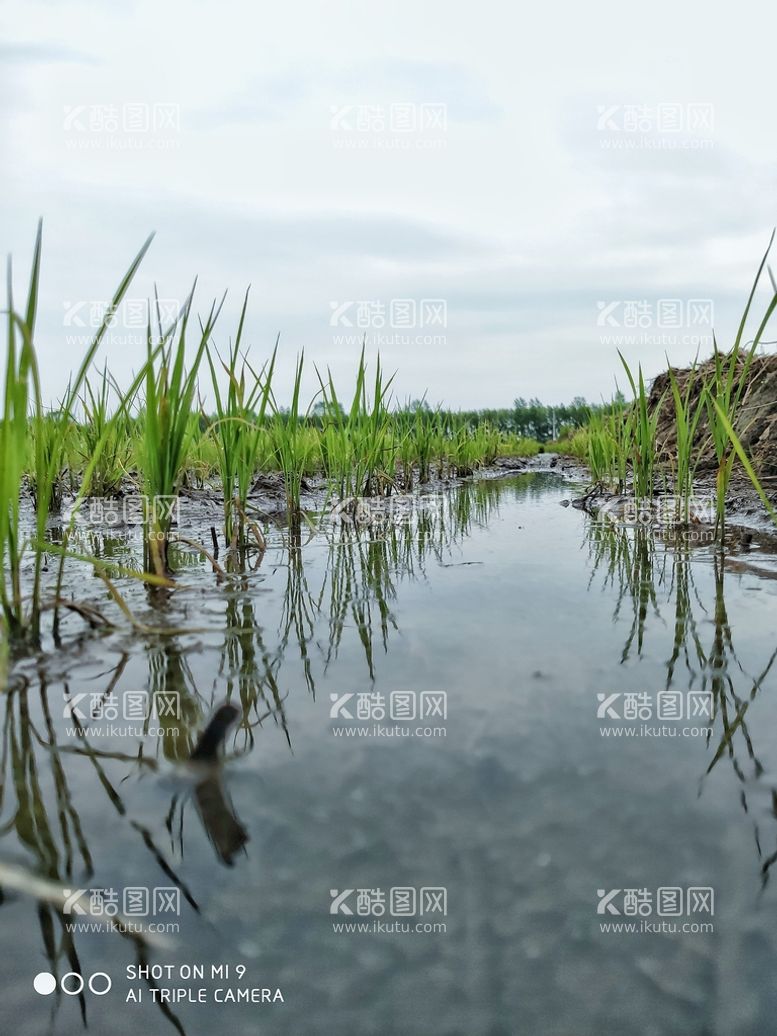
[44, 983]
[72, 983]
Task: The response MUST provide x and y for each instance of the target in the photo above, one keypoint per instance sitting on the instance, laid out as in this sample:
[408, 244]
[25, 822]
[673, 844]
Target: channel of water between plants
[441, 702]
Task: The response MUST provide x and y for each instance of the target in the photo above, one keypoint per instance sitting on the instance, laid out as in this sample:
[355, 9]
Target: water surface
[515, 801]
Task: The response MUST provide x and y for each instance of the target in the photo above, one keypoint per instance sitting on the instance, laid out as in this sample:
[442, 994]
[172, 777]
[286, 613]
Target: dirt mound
[756, 422]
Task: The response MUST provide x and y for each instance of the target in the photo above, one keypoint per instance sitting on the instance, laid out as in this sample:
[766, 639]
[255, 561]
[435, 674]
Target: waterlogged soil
[535, 785]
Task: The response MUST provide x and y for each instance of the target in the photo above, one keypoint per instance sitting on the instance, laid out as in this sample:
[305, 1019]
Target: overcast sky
[496, 195]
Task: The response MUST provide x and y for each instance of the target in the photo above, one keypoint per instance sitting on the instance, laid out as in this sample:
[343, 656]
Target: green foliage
[239, 429]
[24, 415]
[104, 436]
[641, 434]
[684, 463]
[294, 443]
[724, 390]
[167, 426]
[623, 442]
[359, 448]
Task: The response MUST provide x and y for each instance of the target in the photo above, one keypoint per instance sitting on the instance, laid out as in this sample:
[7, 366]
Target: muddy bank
[756, 422]
[559, 463]
[267, 498]
[203, 505]
[744, 508]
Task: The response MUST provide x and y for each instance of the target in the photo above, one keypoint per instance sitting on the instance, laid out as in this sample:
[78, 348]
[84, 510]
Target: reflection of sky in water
[522, 811]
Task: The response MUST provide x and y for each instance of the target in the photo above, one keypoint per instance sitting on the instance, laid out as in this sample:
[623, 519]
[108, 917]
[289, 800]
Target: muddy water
[419, 715]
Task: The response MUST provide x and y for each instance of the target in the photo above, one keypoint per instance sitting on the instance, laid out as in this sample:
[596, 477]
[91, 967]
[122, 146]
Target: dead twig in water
[87, 612]
[220, 573]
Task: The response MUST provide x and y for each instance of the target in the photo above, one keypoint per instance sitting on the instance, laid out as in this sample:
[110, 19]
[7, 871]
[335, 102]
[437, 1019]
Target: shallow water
[511, 794]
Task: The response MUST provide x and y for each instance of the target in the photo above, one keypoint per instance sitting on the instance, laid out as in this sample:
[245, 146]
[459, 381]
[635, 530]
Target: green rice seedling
[49, 463]
[599, 447]
[576, 445]
[606, 444]
[22, 397]
[423, 435]
[407, 452]
[360, 445]
[489, 443]
[745, 461]
[621, 421]
[719, 402]
[240, 417]
[52, 435]
[105, 436]
[622, 424]
[120, 420]
[643, 441]
[20, 369]
[293, 445]
[414, 431]
[54, 432]
[328, 446]
[265, 449]
[167, 428]
[466, 445]
[374, 442]
[724, 391]
[686, 424]
[402, 425]
[511, 445]
[463, 452]
[202, 463]
[439, 443]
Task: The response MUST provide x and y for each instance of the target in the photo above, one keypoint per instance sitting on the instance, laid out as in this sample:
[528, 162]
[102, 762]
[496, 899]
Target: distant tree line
[531, 418]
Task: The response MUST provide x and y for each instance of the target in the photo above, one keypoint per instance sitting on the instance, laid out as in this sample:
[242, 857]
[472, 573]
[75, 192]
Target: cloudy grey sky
[497, 196]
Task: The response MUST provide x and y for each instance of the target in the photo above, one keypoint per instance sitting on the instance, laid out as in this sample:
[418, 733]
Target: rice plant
[407, 453]
[423, 440]
[745, 461]
[463, 452]
[52, 438]
[167, 431]
[105, 436]
[238, 430]
[606, 445]
[724, 391]
[643, 437]
[360, 445]
[20, 370]
[686, 420]
[599, 449]
[293, 446]
[24, 414]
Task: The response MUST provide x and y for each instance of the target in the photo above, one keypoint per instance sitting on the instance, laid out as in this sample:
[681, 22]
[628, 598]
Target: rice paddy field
[388, 519]
[321, 715]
